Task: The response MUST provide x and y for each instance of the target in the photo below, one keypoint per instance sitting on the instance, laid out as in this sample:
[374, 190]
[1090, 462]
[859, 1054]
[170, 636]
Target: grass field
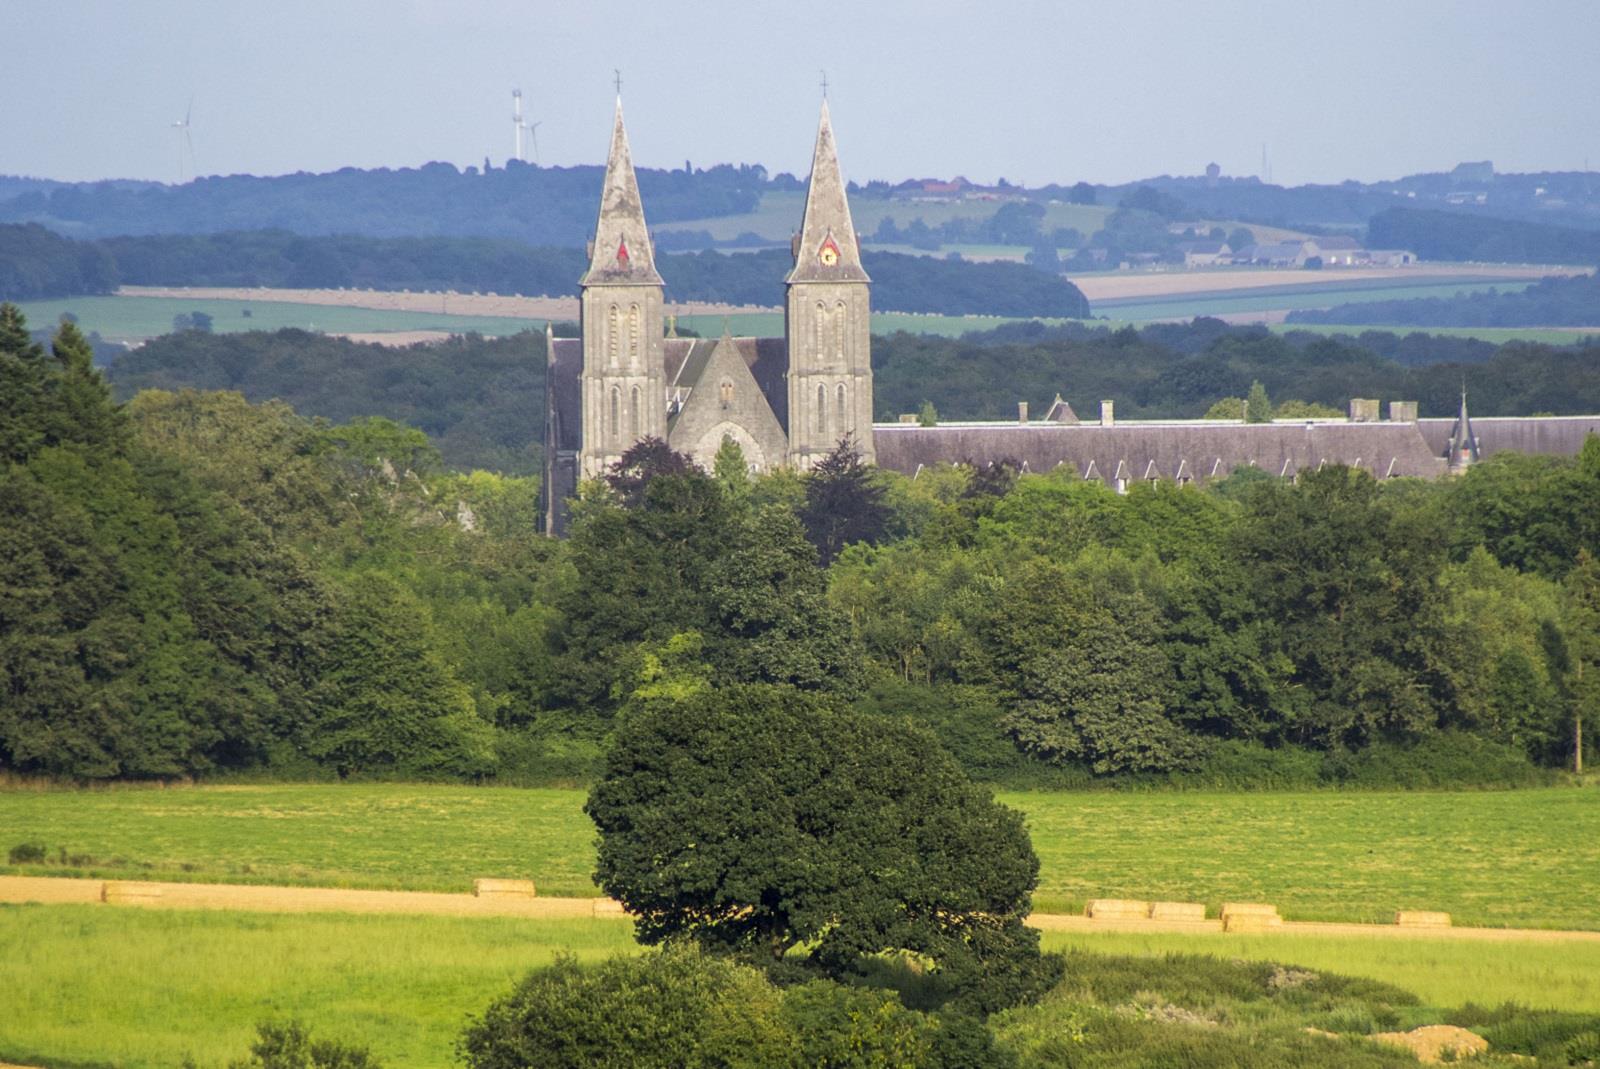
[84, 985]
[1443, 973]
[1526, 858]
[135, 988]
[144, 317]
[1225, 302]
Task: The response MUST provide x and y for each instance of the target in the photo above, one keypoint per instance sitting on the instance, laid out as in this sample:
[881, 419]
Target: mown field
[145, 317]
[1526, 858]
[1289, 298]
[95, 985]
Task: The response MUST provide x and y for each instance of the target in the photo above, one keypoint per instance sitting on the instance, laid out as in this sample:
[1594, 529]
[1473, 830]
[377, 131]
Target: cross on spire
[617, 79]
[824, 85]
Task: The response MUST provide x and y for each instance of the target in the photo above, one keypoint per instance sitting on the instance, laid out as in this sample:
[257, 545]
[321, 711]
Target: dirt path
[249, 898]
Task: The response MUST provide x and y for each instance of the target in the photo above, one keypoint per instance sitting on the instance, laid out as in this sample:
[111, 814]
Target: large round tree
[760, 818]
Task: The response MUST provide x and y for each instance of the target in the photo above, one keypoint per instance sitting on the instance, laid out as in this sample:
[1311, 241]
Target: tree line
[36, 263]
[1440, 235]
[1551, 302]
[196, 584]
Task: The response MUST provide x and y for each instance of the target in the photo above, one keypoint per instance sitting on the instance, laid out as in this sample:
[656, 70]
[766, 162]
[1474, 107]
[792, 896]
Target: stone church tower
[828, 320]
[624, 389]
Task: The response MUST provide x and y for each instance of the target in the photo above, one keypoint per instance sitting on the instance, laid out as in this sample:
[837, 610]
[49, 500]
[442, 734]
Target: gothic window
[819, 336]
[613, 334]
[616, 412]
[633, 333]
[822, 409]
[725, 392]
[841, 413]
[634, 405]
[838, 330]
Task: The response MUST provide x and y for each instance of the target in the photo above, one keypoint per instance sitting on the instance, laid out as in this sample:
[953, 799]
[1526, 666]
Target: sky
[1026, 90]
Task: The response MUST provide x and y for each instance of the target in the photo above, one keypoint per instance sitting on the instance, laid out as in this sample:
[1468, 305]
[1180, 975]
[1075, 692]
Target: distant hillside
[537, 205]
[1551, 302]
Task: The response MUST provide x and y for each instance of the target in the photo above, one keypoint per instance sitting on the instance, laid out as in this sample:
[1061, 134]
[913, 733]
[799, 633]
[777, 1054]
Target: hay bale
[498, 888]
[608, 907]
[1117, 909]
[1434, 1043]
[1250, 916]
[1421, 918]
[1177, 911]
[1248, 909]
[129, 891]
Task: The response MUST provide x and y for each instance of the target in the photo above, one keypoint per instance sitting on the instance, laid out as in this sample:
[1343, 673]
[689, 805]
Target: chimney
[1107, 416]
[1402, 412]
[1022, 412]
[1363, 410]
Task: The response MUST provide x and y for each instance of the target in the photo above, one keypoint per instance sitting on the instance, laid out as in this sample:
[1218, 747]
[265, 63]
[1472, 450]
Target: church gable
[725, 401]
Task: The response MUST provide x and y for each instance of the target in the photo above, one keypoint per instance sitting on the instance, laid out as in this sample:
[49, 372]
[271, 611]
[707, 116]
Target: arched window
[838, 330]
[822, 409]
[725, 392]
[634, 416]
[616, 412]
[633, 333]
[842, 413]
[613, 334]
[819, 331]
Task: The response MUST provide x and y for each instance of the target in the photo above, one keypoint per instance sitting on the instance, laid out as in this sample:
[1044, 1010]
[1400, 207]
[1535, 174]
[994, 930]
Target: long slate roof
[1201, 449]
[1558, 435]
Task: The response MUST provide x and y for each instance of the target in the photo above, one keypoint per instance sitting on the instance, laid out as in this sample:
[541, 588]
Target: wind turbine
[533, 135]
[185, 140]
[517, 125]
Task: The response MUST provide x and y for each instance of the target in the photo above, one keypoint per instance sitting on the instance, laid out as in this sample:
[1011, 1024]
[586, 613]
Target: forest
[1439, 235]
[1550, 302]
[197, 585]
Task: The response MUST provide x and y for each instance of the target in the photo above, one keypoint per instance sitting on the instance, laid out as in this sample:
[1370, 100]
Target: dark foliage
[35, 263]
[1435, 235]
[844, 503]
[760, 819]
[1550, 302]
[479, 399]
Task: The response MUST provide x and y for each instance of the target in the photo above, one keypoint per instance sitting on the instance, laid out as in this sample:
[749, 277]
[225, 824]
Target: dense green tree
[844, 502]
[288, 1045]
[1257, 407]
[759, 819]
[385, 701]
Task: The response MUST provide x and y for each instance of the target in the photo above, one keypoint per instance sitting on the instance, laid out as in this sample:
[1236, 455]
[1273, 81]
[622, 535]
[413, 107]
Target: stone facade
[784, 401]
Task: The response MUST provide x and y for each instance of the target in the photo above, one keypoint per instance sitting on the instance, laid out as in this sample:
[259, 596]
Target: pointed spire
[827, 250]
[621, 252]
[1463, 443]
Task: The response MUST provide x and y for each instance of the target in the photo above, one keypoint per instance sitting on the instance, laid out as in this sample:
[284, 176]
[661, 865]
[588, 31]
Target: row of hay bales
[1235, 916]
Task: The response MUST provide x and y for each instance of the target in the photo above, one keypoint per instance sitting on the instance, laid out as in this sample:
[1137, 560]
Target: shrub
[1444, 759]
[288, 1045]
[26, 854]
[1236, 764]
[675, 1008]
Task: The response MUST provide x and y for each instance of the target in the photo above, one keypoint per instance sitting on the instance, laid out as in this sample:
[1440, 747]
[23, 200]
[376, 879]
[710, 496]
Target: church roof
[827, 224]
[621, 252]
[1199, 448]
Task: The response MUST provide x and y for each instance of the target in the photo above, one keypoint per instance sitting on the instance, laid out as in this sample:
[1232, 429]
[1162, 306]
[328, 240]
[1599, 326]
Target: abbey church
[784, 401]
[788, 401]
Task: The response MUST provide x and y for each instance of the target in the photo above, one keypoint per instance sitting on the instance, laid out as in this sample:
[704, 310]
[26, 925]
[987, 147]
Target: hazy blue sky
[1031, 91]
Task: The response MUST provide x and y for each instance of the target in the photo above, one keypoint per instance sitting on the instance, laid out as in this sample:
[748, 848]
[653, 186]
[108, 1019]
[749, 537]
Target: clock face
[829, 254]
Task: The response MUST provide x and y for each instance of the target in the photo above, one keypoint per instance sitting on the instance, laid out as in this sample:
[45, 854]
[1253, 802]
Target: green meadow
[1523, 858]
[140, 989]
[118, 318]
[92, 985]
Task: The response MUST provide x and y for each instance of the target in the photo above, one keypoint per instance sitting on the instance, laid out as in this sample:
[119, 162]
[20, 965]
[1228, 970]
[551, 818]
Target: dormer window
[725, 393]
